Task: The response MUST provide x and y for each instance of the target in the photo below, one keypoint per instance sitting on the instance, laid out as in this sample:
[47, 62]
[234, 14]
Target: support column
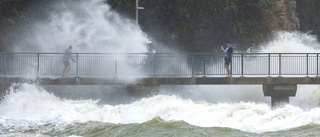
[279, 93]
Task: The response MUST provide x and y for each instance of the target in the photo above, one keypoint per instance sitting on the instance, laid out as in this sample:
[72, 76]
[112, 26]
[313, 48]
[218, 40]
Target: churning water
[30, 110]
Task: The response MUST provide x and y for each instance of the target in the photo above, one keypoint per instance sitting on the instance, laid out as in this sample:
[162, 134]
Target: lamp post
[137, 10]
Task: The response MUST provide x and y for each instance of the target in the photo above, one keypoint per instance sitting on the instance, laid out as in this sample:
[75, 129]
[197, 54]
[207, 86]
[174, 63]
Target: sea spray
[90, 26]
[296, 42]
[32, 106]
[307, 96]
[291, 42]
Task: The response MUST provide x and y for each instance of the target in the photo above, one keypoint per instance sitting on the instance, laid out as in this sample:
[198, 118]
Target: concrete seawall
[278, 88]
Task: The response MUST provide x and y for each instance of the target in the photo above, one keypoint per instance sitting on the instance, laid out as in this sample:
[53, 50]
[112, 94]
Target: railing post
[317, 65]
[192, 65]
[280, 64]
[5, 64]
[38, 64]
[269, 66]
[204, 65]
[242, 64]
[77, 64]
[116, 66]
[307, 64]
[154, 64]
[230, 56]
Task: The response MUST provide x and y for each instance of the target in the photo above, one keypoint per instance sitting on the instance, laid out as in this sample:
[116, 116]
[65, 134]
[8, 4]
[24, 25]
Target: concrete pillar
[143, 90]
[279, 93]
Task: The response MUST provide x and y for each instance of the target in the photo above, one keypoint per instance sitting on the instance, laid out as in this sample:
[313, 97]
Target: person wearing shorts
[227, 57]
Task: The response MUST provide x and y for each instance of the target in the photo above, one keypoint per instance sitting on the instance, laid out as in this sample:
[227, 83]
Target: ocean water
[30, 110]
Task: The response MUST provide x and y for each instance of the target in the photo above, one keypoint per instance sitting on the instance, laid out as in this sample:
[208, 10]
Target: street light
[137, 10]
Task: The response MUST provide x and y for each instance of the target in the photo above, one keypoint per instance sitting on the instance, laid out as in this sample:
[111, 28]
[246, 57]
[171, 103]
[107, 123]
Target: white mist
[90, 26]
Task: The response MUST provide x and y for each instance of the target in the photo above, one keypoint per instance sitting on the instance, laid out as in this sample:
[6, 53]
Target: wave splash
[90, 26]
[30, 106]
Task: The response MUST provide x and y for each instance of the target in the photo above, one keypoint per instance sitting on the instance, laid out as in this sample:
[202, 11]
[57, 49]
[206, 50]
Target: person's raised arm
[71, 57]
[73, 60]
[223, 49]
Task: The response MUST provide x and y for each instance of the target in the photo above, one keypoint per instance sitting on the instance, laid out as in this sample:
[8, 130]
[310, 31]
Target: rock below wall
[281, 17]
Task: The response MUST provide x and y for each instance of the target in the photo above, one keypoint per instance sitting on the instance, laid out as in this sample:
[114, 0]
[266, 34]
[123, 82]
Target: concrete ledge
[171, 81]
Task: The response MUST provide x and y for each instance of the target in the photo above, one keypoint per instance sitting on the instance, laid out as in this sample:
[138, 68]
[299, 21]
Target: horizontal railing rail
[159, 64]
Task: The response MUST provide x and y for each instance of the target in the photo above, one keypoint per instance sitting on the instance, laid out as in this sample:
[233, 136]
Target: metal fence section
[159, 64]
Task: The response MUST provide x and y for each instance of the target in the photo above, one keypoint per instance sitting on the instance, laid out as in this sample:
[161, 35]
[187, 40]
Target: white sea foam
[30, 105]
[99, 30]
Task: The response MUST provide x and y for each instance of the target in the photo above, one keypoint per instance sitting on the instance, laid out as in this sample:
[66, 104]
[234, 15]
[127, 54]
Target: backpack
[230, 49]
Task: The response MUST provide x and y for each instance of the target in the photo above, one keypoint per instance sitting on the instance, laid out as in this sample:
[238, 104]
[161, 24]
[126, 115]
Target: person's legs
[64, 71]
[228, 70]
[66, 68]
[226, 65]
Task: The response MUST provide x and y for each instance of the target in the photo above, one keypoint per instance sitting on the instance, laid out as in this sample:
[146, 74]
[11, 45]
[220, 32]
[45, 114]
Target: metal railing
[159, 64]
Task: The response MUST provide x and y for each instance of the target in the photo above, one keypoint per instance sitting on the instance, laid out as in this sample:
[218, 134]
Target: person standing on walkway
[66, 57]
[227, 56]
